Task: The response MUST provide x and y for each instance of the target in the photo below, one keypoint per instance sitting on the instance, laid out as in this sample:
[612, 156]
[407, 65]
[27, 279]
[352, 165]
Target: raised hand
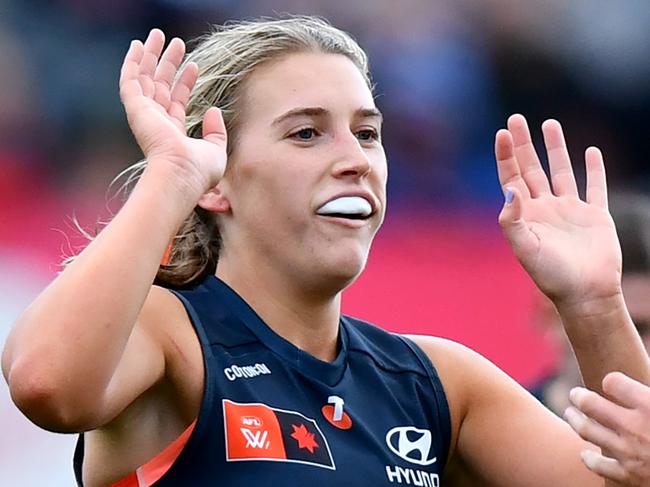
[155, 97]
[619, 424]
[568, 246]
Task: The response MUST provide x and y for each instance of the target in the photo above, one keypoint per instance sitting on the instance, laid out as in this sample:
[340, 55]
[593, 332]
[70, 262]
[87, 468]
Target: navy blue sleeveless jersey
[274, 415]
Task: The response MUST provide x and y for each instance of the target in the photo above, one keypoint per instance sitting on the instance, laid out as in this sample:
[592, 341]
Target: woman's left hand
[620, 426]
[567, 245]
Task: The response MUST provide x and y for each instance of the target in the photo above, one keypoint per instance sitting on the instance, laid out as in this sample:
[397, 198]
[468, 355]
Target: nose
[352, 161]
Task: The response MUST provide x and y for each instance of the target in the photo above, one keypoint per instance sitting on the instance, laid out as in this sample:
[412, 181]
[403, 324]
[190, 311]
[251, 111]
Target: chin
[338, 273]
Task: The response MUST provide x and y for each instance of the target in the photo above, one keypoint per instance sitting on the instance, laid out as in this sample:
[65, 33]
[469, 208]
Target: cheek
[380, 165]
[270, 189]
[273, 201]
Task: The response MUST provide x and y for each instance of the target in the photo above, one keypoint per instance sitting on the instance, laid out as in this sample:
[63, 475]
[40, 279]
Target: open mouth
[348, 207]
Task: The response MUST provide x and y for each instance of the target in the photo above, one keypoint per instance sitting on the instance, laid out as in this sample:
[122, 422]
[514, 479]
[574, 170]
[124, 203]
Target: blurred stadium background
[447, 72]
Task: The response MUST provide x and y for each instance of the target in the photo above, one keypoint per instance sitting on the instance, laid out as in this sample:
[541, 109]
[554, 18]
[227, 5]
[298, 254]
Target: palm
[568, 246]
[155, 99]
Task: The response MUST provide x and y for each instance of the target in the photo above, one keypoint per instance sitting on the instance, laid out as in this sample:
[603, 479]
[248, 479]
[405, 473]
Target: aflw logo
[256, 439]
[247, 371]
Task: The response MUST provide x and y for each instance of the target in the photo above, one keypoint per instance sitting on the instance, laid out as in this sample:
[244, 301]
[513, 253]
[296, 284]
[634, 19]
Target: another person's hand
[567, 245]
[619, 425]
[155, 97]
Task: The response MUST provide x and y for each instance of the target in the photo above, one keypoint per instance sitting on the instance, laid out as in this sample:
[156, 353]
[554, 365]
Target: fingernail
[589, 458]
[573, 394]
[509, 196]
[567, 413]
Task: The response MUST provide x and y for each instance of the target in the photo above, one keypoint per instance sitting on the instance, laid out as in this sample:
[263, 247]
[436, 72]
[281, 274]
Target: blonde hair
[226, 57]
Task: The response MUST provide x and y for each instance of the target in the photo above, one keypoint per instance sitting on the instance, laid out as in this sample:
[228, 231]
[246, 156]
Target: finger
[153, 47]
[507, 167]
[564, 182]
[129, 85]
[596, 180]
[169, 63]
[513, 224]
[529, 165]
[214, 128]
[182, 90]
[592, 431]
[598, 408]
[166, 71]
[131, 65]
[604, 466]
[626, 391]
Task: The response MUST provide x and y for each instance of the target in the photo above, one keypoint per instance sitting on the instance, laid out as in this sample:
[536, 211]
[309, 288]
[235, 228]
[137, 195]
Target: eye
[305, 134]
[367, 135]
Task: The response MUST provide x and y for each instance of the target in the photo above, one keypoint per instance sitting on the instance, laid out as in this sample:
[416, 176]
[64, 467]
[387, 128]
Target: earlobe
[214, 201]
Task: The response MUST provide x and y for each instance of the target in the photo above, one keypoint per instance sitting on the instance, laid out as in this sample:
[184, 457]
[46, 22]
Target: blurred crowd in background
[447, 74]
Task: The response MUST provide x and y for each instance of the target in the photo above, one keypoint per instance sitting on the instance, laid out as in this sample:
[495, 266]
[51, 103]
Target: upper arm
[141, 366]
[154, 394]
[158, 342]
[499, 431]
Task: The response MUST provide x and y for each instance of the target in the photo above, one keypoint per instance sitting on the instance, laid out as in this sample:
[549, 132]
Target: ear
[215, 201]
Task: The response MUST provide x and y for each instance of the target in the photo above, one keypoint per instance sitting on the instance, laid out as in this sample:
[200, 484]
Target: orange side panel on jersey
[130, 481]
[166, 255]
[253, 432]
[155, 468]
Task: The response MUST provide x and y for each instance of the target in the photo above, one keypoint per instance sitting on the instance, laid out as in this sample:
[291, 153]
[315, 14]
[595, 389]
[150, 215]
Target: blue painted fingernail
[509, 196]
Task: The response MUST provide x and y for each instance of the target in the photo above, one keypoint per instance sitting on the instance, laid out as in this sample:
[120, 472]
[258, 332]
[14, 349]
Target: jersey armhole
[161, 463]
[444, 414]
[147, 474]
[152, 471]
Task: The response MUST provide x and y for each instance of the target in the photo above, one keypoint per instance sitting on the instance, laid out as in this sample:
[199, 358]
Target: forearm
[70, 340]
[604, 339]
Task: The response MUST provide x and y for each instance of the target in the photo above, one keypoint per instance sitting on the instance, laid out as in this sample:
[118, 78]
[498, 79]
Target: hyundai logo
[411, 444]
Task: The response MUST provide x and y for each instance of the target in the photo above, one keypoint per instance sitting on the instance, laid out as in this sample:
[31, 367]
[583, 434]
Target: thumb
[512, 222]
[214, 128]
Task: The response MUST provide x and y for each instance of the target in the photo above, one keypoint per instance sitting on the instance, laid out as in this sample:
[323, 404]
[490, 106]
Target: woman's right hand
[155, 98]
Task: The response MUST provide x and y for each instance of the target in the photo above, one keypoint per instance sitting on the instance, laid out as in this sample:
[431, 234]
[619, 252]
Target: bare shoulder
[490, 408]
[458, 367]
[464, 372]
[444, 352]
[161, 312]
[456, 364]
[164, 318]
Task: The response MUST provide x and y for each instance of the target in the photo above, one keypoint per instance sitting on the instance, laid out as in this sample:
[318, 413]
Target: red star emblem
[304, 438]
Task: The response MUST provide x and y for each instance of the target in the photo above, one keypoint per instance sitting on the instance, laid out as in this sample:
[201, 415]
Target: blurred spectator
[447, 74]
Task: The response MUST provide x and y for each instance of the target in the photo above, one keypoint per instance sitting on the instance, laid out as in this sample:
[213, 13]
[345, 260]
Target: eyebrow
[320, 112]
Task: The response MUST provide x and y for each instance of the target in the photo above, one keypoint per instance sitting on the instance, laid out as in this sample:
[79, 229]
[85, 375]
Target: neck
[307, 320]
